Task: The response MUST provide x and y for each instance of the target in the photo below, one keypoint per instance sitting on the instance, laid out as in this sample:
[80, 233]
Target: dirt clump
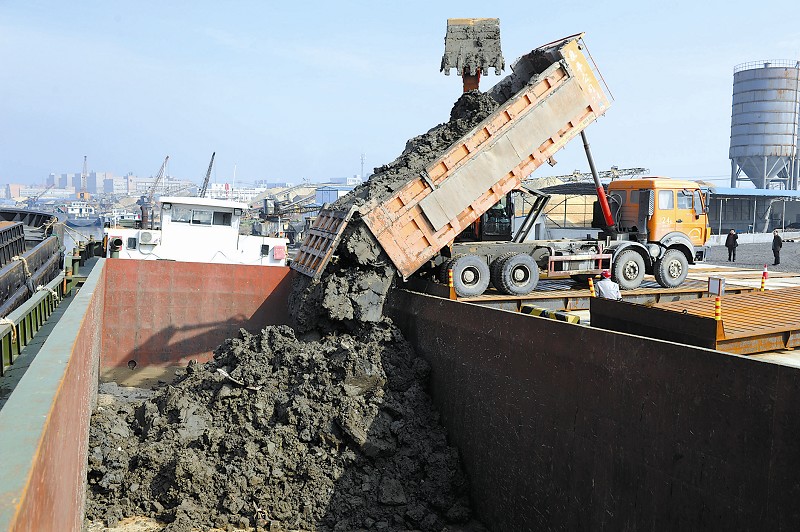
[332, 434]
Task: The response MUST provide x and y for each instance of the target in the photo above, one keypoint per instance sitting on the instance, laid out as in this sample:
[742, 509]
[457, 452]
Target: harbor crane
[613, 173]
[146, 202]
[208, 176]
[83, 195]
[32, 201]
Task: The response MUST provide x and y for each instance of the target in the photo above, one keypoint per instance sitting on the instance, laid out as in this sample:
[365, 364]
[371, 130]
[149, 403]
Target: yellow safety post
[717, 309]
[450, 283]
[591, 287]
[764, 276]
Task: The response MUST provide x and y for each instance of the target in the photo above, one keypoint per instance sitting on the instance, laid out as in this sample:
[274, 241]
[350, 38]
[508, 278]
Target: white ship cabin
[81, 209]
[197, 230]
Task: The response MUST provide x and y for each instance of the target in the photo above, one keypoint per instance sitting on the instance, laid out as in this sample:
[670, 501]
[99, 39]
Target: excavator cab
[494, 225]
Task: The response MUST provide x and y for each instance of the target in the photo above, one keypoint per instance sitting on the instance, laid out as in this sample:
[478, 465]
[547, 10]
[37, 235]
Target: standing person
[731, 242]
[777, 244]
[606, 288]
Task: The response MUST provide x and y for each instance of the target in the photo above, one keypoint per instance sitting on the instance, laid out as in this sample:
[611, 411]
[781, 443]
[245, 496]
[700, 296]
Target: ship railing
[18, 329]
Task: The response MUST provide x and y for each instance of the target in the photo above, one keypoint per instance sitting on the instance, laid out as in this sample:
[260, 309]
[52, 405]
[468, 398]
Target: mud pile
[281, 433]
[357, 280]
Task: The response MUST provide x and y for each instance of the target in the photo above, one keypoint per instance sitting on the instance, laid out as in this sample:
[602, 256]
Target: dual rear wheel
[511, 273]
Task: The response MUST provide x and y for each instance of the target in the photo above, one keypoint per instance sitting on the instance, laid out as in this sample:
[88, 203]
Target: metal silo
[764, 121]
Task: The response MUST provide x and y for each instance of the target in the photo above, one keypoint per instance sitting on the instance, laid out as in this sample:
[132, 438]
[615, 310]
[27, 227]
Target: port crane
[613, 173]
[146, 202]
[208, 176]
[83, 195]
[32, 201]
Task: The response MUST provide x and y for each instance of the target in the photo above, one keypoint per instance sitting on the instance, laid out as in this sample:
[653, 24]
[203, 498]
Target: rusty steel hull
[165, 313]
[753, 322]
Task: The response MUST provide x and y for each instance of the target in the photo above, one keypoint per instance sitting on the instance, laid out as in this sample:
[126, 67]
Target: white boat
[120, 217]
[82, 214]
[197, 230]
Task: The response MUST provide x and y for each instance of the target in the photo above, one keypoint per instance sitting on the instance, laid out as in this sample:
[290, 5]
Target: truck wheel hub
[469, 276]
[675, 269]
[520, 275]
[631, 270]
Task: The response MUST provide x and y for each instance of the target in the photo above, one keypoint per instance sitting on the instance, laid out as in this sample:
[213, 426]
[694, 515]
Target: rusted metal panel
[653, 322]
[166, 313]
[563, 426]
[751, 322]
[46, 422]
[755, 322]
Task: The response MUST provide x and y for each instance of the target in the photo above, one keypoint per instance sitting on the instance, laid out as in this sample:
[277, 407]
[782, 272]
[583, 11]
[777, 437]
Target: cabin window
[666, 199]
[181, 214]
[222, 218]
[634, 197]
[202, 217]
[685, 199]
[264, 250]
[131, 242]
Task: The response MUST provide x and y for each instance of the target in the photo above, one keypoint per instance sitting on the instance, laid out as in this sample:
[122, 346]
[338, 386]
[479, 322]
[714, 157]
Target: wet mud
[332, 434]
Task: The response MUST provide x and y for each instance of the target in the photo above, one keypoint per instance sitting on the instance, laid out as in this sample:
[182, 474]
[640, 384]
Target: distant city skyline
[283, 93]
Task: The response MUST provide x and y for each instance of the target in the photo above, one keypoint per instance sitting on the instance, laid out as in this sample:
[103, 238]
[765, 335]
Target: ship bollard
[591, 287]
[82, 252]
[717, 309]
[68, 281]
[76, 261]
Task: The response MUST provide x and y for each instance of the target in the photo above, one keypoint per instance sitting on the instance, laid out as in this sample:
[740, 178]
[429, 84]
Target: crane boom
[83, 194]
[208, 176]
[157, 180]
[613, 173]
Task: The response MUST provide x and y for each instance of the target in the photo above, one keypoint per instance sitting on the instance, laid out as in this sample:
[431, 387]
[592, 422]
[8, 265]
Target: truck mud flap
[320, 243]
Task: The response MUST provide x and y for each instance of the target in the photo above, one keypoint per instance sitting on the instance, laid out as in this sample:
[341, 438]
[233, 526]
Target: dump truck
[432, 224]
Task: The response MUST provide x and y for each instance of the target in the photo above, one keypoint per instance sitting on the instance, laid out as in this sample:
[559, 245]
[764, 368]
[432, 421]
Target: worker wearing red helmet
[606, 288]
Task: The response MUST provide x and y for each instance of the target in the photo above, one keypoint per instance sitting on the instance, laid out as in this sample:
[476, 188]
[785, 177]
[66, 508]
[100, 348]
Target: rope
[52, 292]
[24, 264]
[6, 321]
[70, 229]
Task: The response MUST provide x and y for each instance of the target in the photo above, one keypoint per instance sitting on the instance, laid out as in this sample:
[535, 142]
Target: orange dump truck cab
[661, 226]
[663, 206]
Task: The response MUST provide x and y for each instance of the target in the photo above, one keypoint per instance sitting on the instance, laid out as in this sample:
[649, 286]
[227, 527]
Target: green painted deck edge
[24, 417]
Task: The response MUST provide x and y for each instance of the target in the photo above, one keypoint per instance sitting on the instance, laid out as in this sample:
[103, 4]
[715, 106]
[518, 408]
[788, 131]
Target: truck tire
[671, 269]
[470, 275]
[628, 269]
[495, 270]
[442, 275]
[519, 274]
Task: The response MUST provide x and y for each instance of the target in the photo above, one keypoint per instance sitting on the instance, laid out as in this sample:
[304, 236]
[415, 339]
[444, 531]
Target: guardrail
[21, 325]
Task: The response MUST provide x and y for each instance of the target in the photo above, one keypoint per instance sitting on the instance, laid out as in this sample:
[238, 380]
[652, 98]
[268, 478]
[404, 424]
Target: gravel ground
[756, 255]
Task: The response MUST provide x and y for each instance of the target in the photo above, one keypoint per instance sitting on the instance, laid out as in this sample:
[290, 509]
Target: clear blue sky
[296, 90]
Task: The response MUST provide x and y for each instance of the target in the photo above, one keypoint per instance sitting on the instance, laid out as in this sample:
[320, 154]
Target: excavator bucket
[472, 47]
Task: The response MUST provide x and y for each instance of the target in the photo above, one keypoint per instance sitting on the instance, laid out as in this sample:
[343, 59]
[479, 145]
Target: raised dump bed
[550, 98]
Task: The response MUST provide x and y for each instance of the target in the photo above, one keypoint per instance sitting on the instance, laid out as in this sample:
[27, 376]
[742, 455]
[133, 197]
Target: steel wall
[45, 423]
[167, 313]
[562, 426]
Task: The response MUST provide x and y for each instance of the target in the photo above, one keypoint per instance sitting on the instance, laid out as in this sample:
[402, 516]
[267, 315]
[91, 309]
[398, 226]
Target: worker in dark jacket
[777, 244]
[731, 243]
